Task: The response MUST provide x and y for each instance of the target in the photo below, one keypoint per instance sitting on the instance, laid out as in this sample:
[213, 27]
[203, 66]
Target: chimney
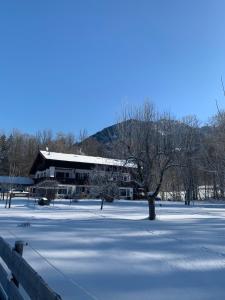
[48, 150]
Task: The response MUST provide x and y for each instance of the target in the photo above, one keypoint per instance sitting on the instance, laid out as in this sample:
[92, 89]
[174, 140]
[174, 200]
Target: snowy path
[115, 254]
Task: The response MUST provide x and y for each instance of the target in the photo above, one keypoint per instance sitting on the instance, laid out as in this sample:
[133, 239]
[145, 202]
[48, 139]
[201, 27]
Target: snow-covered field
[84, 253]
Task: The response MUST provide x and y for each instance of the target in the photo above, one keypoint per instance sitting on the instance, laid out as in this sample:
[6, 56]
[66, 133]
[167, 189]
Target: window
[80, 189]
[123, 192]
[114, 178]
[62, 191]
[82, 176]
[60, 174]
[126, 178]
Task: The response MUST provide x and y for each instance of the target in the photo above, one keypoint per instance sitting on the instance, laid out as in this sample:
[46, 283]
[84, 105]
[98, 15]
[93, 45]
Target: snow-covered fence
[21, 274]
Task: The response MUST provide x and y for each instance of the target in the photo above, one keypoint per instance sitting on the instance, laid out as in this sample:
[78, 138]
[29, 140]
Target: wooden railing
[21, 273]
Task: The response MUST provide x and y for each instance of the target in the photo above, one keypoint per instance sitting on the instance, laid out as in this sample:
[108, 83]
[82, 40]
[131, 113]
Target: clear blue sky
[68, 65]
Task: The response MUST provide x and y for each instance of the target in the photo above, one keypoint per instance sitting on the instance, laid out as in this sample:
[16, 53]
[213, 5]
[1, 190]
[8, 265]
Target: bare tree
[13, 172]
[213, 155]
[104, 185]
[151, 142]
[189, 157]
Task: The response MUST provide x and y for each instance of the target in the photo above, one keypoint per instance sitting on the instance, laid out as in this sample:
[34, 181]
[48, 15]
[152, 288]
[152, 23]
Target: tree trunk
[188, 196]
[102, 203]
[151, 208]
[215, 191]
[6, 200]
[10, 200]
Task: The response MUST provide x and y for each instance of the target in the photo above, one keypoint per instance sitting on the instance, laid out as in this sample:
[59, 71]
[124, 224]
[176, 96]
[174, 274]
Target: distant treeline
[18, 150]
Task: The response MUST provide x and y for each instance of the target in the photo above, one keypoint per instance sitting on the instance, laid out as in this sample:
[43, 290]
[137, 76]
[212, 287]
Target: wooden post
[19, 249]
[10, 199]
[102, 203]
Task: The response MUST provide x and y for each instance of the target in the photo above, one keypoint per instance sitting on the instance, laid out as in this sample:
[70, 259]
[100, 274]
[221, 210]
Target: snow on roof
[86, 159]
[16, 180]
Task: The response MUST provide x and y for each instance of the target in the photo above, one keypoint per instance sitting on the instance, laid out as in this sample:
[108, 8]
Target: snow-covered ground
[84, 253]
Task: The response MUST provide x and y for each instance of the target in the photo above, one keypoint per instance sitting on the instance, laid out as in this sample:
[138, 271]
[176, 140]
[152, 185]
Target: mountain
[110, 134]
[104, 139]
[106, 135]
